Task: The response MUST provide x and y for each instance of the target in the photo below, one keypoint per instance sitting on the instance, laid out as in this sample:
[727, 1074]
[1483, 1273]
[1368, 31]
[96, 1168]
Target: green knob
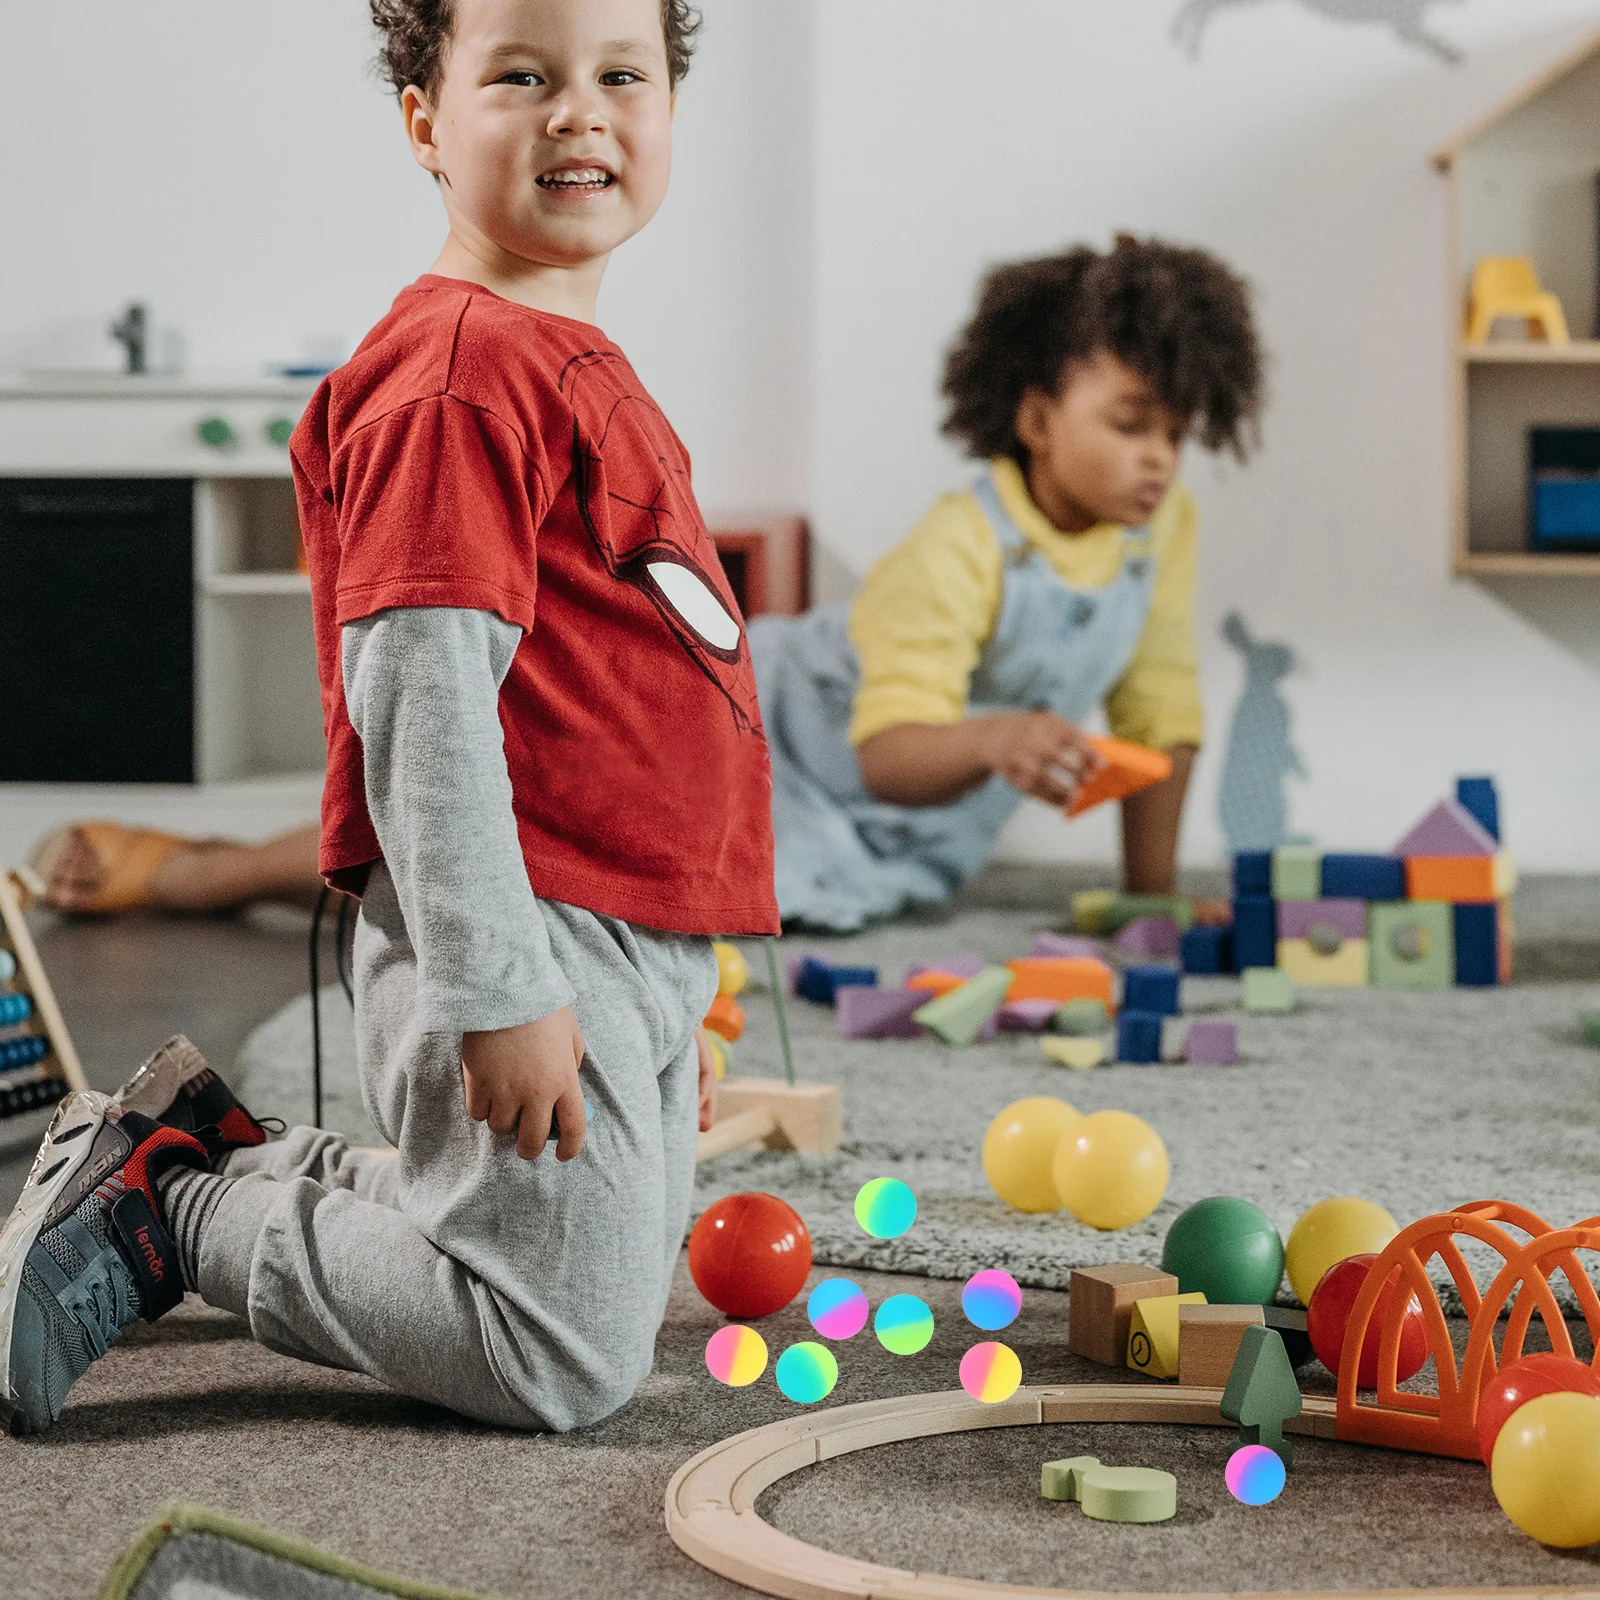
[216, 433]
[280, 431]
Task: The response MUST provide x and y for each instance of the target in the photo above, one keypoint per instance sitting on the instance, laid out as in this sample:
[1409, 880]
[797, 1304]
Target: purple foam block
[1026, 1016]
[1448, 830]
[1212, 1044]
[879, 1013]
[990, 1030]
[1296, 918]
[1150, 939]
[1049, 946]
[956, 966]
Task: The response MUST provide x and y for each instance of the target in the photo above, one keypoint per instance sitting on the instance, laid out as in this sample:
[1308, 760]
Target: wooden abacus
[38, 1064]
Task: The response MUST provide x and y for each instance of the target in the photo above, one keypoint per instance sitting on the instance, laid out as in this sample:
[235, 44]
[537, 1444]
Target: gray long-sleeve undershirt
[422, 686]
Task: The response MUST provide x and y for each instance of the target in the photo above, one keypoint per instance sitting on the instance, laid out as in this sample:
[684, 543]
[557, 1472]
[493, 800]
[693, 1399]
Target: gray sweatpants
[522, 1293]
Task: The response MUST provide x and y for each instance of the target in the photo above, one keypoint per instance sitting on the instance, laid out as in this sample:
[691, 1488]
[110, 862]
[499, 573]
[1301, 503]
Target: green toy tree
[1262, 1393]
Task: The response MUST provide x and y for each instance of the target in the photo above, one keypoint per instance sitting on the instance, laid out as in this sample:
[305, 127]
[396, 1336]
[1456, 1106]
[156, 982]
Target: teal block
[1296, 872]
[1411, 944]
[959, 1016]
[1268, 989]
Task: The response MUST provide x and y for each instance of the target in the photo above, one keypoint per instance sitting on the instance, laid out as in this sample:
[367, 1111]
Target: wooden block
[1060, 978]
[1411, 944]
[1345, 968]
[1127, 769]
[958, 1017]
[1268, 989]
[1153, 1334]
[1208, 1342]
[1100, 1307]
[809, 1117]
[1261, 1393]
[1111, 1494]
[1079, 1054]
[1463, 880]
[1296, 872]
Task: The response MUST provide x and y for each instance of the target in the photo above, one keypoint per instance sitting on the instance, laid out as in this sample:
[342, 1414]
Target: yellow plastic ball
[1546, 1470]
[1330, 1232]
[1111, 1170]
[732, 973]
[1019, 1148]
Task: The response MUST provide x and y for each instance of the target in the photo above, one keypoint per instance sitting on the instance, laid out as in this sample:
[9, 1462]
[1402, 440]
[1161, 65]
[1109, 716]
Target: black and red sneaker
[85, 1252]
[177, 1087]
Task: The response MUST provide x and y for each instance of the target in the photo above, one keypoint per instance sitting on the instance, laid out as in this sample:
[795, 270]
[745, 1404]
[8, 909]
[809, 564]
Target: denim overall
[843, 857]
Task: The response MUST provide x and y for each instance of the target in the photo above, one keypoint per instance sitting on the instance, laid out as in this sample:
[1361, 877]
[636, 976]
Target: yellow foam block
[1080, 1054]
[1153, 1334]
[1345, 969]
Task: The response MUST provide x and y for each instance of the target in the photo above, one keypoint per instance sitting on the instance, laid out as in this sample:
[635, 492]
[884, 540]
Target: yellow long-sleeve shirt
[929, 606]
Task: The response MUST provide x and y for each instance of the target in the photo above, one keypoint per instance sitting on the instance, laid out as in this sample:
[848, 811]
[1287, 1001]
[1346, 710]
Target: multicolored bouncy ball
[838, 1308]
[749, 1255]
[1255, 1475]
[736, 1356]
[991, 1372]
[904, 1325]
[806, 1372]
[991, 1300]
[885, 1208]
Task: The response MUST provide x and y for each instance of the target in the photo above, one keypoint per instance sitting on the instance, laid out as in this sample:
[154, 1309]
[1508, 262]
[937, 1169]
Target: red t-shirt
[477, 453]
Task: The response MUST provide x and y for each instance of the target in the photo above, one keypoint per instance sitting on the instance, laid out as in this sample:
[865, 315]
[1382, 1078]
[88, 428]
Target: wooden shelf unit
[1522, 181]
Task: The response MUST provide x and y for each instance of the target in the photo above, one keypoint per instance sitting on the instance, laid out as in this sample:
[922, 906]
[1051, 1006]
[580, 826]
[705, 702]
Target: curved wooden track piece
[711, 1501]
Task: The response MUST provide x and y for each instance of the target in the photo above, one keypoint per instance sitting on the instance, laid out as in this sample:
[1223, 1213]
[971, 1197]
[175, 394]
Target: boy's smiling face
[551, 129]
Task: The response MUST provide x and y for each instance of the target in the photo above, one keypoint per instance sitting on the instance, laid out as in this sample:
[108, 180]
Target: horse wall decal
[1407, 19]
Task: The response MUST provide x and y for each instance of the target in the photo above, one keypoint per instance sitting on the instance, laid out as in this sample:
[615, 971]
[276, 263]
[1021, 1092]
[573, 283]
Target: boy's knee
[584, 1383]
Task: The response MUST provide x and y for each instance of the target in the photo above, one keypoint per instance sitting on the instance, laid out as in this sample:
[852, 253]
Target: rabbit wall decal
[1260, 755]
[1407, 19]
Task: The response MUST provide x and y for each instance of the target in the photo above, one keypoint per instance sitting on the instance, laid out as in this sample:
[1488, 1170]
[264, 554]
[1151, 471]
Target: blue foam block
[819, 982]
[1478, 795]
[1252, 872]
[1255, 932]
[1153, 990]
[1139, 1037]
[1363, 878]
[1478, 945]
[1206, 950]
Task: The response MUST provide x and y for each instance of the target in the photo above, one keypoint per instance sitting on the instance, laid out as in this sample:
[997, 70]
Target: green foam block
[1590, 1023]
[1268, 989]
[1111, 1494]
[1262, 1392]
[1296, 873]
[1081, 1018]
[958, 1016]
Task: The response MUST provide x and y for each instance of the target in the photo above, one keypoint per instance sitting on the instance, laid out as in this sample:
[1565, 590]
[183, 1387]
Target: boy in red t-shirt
[547, 780]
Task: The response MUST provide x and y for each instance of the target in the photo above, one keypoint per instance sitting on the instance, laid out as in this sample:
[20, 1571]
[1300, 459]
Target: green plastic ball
[1227, 1250]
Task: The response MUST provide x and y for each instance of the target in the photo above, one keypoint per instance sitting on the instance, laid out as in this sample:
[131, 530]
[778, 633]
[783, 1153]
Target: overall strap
[1013, 542]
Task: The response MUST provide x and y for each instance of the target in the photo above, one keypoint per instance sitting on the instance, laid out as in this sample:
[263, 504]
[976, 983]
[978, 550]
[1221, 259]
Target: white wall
[846, 168]
[951, 135]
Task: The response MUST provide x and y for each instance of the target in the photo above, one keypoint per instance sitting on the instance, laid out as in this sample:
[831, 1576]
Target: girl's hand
[708, 1081]
[1041, 754]
[517, 1078]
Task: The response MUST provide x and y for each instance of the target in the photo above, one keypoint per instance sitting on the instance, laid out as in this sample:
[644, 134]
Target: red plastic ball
[749, 1255]
[1526, 1380]
[1329, 1312]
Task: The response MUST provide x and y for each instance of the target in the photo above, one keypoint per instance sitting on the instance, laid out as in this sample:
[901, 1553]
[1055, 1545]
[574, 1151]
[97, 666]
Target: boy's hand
[1039, 753]
[517, 1077]
[708, 1081]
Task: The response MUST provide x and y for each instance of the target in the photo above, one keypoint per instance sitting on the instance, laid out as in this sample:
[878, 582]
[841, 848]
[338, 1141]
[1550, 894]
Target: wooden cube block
[1411, 944]
[1208, 1342]
[1153, 1333]
[1345, 968]
[1100, 1307]
[809, 1117]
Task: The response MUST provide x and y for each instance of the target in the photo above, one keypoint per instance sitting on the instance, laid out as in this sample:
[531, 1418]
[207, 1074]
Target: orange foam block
[1462, 880]
[938, 984]
[1128, 769]
[725, 1018]
[1061, 978]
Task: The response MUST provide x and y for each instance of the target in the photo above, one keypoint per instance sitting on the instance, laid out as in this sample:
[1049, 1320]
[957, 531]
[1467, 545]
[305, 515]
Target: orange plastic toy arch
[1447, 1424]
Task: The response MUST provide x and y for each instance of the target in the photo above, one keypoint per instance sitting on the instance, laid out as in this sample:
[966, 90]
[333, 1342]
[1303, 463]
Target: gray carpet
[1419, 1101]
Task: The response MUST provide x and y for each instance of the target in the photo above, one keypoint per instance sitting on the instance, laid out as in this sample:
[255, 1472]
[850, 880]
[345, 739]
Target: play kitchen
[158, 622]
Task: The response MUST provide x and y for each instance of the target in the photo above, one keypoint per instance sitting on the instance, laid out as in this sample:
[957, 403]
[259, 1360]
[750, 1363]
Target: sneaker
[177, 1087]
[85, 1252]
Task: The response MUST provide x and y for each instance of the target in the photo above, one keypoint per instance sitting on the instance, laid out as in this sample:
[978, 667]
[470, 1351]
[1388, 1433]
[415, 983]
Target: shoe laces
[98, 1301]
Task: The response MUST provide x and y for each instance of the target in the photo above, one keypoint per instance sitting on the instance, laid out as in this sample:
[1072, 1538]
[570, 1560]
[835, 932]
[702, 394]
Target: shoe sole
[158, 1083]
[68, 1144]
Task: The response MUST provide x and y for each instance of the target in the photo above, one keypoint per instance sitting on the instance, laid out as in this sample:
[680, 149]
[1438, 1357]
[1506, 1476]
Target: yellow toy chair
[1508, 286]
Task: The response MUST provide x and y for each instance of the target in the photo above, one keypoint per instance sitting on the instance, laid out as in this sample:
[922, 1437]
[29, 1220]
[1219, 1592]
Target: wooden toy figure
[1262, 1393]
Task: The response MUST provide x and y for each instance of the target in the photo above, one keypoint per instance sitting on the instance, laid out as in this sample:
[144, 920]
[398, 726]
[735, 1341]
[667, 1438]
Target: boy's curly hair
[1178, 317]
[416, 39]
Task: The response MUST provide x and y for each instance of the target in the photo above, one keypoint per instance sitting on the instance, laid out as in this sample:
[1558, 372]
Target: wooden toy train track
[711, 1501]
